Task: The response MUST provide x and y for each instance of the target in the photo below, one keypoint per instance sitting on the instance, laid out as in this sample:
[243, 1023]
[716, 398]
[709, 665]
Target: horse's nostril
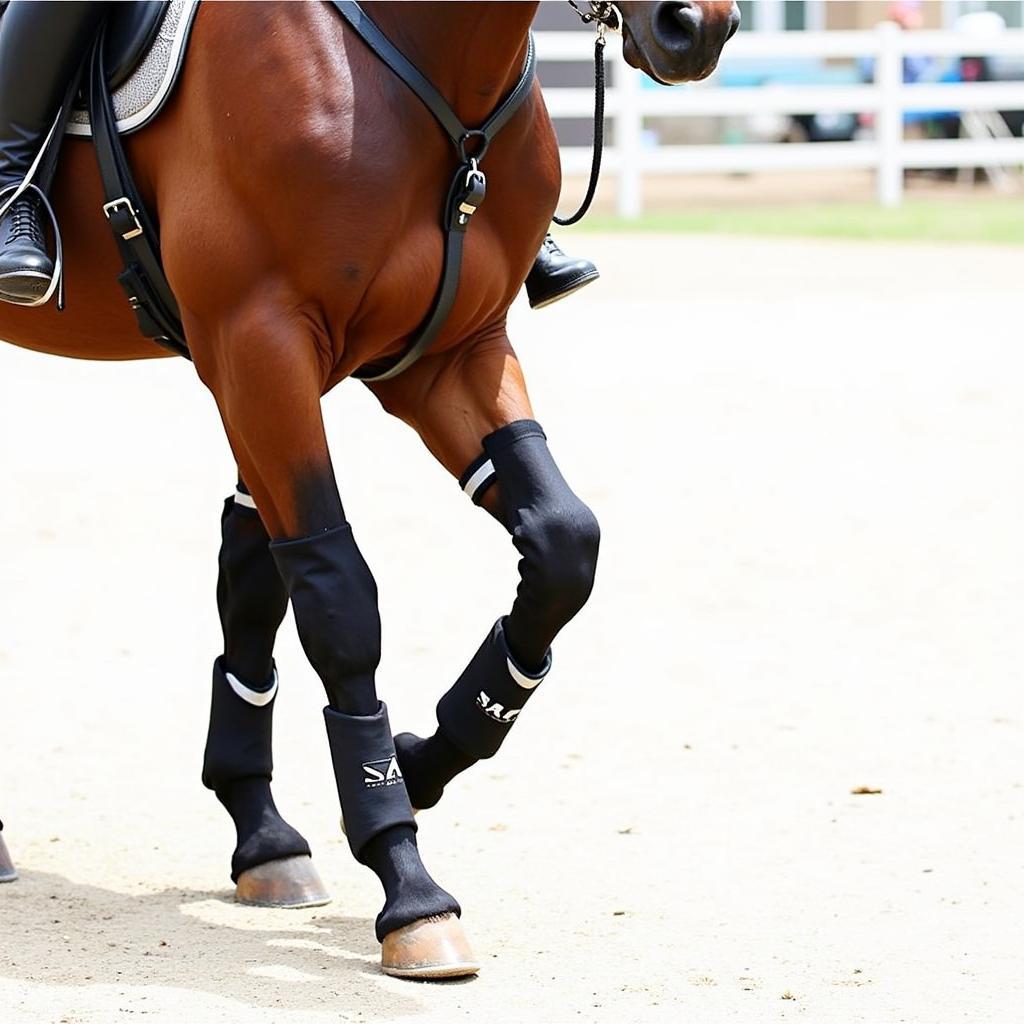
[734, 22]
[677, 24]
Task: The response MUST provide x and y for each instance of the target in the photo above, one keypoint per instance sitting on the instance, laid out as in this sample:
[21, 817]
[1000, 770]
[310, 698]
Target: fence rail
[887, 98]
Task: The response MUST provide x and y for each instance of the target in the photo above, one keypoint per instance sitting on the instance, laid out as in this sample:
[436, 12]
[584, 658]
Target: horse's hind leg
[7, 870]
[271, 863]
[472, 411]
[265, 372]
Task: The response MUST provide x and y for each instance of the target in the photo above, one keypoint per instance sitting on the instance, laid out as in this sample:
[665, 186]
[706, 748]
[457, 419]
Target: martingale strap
[469, 184]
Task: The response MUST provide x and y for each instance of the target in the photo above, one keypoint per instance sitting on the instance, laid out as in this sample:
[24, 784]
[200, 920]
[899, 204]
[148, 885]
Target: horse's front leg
[8, 873]
[271, 863]
[266, 372]
[472, 411]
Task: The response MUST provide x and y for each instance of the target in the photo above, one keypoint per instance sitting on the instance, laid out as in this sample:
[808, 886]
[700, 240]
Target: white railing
[887, 97]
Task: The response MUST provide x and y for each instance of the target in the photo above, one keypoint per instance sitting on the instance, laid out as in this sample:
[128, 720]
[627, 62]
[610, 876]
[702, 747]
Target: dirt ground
[806, 458]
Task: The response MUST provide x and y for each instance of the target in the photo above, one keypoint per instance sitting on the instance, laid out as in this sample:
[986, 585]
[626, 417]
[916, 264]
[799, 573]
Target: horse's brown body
[298, 185]
[286, 197]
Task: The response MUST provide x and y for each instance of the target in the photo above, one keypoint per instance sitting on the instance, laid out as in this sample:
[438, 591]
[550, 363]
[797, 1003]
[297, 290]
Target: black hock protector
[251, 596]
[334, 597]
[335, 601]
[552, 529]
[478, 711]
[370, 784]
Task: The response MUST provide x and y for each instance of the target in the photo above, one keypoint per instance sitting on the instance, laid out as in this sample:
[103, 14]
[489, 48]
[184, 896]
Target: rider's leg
[555, 533]
[238, 763]
[556, 275]
[42, 46]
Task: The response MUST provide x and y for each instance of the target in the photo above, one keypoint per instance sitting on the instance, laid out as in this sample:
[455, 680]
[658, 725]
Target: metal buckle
[109, 209]
[474, 177]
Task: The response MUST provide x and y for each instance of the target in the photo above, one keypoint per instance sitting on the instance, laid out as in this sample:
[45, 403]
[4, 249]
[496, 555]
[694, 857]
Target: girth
[143, 278]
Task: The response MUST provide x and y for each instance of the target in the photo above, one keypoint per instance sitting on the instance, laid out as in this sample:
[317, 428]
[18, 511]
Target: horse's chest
[405, 260]
[497, 254]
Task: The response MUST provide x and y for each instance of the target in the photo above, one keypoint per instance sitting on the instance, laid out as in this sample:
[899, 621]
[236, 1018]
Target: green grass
[999, 221]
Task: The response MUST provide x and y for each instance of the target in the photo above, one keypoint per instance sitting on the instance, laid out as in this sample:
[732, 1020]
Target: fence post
[889, 119]
[628, 141]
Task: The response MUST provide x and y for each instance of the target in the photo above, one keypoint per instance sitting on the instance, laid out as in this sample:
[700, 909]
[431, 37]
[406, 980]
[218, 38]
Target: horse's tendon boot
[478, 711]
[381, 833]
[238, 766]
[370, 784]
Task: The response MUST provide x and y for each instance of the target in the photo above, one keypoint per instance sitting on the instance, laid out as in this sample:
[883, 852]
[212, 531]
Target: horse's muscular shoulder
[314, 169]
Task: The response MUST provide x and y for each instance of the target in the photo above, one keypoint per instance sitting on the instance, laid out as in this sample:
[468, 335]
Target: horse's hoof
[7, 869]
[434, 947]
[290, 883]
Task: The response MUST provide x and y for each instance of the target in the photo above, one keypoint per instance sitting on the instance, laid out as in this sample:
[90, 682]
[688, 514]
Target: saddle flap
[130, 33]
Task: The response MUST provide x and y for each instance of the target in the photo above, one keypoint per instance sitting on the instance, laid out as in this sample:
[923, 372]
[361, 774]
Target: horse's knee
[559, 544]
[554, 531]
[334, 598]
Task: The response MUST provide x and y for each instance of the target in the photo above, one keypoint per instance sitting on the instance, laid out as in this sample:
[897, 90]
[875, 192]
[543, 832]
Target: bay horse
[296, 181]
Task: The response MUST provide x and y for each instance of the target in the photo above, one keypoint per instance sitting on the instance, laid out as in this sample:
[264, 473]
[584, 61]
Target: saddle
[144, 52]
[145, 49]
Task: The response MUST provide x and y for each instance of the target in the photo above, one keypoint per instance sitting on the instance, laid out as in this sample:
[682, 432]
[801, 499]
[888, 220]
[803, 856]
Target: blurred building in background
[817, 15]
[899, 88]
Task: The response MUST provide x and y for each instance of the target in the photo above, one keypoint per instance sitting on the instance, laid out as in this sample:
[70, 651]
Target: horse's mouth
[635, 57]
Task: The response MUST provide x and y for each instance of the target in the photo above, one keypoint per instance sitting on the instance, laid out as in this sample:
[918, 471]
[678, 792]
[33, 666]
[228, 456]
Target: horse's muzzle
[683, 39]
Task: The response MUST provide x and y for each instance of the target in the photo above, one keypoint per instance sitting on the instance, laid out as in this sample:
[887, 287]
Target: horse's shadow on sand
[58, 932]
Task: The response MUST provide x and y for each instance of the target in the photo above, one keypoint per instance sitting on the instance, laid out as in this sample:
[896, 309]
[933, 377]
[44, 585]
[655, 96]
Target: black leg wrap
[238, 743]
[334, 597]
[251, 595]
[478, 711]
[555, 533]
[238, 767]
[429, 765]
[335, 602]
[370, 784]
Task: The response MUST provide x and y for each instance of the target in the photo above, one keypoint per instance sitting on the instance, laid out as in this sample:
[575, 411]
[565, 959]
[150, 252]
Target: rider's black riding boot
[42, 46]
[556, 275]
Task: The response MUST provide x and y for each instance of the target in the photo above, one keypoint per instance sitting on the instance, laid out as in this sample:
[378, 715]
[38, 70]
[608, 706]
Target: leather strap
[143, 278]
[444, 299]
[379, 43]
[468, 186]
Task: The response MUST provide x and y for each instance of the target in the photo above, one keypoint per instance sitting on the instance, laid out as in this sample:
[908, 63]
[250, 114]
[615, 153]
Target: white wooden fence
[887, 97]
